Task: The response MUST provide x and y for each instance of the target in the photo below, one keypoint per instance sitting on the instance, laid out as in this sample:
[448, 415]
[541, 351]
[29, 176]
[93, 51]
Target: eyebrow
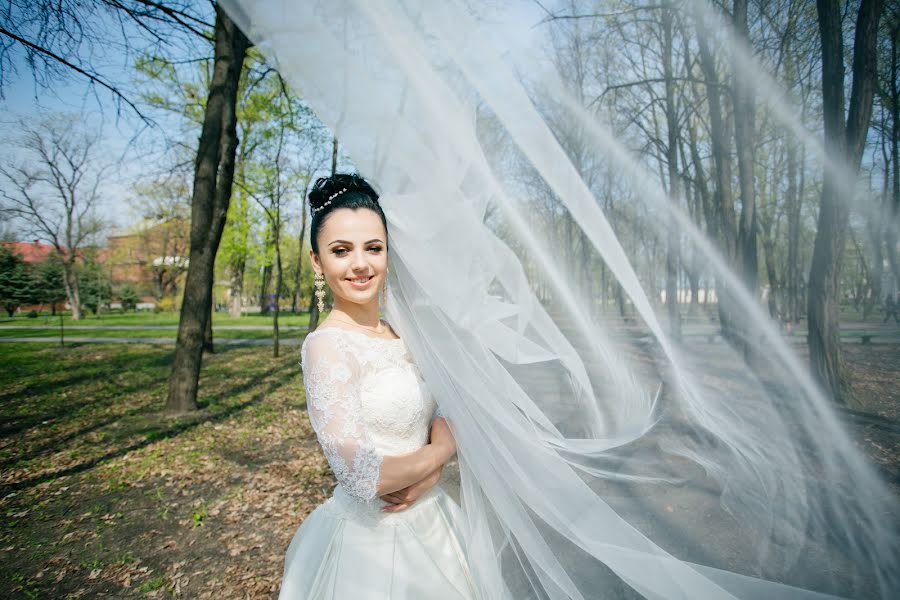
[351, 243]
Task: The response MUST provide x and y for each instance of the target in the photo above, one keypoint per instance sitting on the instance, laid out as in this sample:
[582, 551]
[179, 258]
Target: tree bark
[208, 332]
[214, 173]
[723, 201]
[70, 281]
[264, 287]
[845, 142]
[744, 107]
[673, 237]
[894, 206]
[278, 282]
[235, 301]
[794, 205]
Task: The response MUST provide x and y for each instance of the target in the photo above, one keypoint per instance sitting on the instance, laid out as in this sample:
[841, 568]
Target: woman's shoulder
[324, 341]
[332, 339]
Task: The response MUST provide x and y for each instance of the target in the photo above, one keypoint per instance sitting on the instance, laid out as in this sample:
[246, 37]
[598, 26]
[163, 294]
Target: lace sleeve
[331, 378]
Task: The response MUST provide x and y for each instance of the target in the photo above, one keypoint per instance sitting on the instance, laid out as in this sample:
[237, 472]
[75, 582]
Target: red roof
[31, 252]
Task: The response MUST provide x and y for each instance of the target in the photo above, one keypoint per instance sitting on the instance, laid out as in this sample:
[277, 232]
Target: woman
[389, 531]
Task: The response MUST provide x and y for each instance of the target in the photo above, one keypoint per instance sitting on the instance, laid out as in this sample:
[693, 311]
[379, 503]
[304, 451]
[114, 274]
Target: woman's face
[352, 248]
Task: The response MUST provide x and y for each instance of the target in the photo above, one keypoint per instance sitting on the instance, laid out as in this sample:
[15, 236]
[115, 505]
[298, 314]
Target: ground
[105, 496]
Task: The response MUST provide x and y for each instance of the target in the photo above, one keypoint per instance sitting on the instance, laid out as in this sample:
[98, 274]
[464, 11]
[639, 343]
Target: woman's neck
[361, 314]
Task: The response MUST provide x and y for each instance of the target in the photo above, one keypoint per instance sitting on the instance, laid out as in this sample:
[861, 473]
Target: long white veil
[598, 458]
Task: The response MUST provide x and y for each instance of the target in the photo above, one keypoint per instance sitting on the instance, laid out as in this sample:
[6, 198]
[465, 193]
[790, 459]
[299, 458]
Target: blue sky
[125, 139]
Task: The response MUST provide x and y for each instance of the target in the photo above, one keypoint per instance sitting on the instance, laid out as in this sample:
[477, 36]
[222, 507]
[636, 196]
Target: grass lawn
[104, 495]
[151, 318]
[53, 334]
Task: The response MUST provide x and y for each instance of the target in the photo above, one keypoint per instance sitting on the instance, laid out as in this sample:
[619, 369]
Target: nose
[359, 261]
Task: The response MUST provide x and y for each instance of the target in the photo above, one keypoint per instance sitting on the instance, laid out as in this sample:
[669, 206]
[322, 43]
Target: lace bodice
[366, 398]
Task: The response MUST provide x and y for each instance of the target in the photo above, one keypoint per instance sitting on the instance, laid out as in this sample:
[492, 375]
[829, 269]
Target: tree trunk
[894, 206]
[264, 289]
[278, 281]
[208, 331]
[672, 239]
[723, 202]
[794, 204]
[235, 300]
[845, 142]
[744, 107]
[214, 172]
[772, 275]
[876, 230]
[70, 280]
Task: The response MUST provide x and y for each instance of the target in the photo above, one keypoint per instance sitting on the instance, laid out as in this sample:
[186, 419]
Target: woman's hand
[442, 439]
[402, 499]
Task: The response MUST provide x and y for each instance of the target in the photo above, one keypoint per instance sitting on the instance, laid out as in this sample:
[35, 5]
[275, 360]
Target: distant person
[890, 308]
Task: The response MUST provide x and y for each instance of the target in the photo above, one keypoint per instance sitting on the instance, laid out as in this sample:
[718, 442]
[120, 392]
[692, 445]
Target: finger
[395, 507]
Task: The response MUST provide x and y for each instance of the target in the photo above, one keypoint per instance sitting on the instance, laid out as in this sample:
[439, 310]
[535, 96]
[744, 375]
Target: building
[151, 255]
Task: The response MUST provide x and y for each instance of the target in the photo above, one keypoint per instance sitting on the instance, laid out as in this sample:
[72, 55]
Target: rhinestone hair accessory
[330, 198]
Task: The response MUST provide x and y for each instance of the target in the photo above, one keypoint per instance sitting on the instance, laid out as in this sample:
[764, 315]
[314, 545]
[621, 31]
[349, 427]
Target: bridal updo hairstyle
[359, 194]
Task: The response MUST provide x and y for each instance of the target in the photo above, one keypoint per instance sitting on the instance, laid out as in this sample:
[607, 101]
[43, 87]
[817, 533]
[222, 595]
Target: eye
[375, 248]
[339, 251]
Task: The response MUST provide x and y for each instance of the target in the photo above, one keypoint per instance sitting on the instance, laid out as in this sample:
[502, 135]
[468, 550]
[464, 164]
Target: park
[722, 216]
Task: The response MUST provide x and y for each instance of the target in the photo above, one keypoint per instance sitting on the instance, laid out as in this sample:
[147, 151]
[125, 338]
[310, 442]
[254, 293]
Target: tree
[214, 174]
[96, 283]
[127, 296]
[672, 135]
[285, 158]
[48, 281]
[845, 141]
[61, 38]
[163, 233]
[889, 96]
[15, 281]
[54, 191]
[744, 138]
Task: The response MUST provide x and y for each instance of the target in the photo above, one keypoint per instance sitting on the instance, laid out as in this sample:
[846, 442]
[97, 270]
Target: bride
[577, 479]
[388, 531]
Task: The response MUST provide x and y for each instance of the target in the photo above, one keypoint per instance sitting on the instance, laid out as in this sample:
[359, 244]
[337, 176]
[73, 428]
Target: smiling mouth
[361, 280]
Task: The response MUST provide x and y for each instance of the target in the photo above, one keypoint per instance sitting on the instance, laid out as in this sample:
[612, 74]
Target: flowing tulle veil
[580, 478]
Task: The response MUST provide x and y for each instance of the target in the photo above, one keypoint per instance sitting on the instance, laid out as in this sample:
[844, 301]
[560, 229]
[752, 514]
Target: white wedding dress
[366, 399]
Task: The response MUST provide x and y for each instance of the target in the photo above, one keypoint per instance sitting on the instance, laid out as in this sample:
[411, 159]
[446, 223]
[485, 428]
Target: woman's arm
[402, 498]
[398, 472]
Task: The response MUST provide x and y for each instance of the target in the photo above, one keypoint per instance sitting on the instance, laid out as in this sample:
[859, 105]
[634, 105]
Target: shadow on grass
[213, 408]
[66, 406]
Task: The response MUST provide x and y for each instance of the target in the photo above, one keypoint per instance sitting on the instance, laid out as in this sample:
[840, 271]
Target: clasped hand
[404, 498]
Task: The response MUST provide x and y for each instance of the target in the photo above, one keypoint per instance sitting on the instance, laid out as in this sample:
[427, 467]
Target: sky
[125, 139]
[25, 101]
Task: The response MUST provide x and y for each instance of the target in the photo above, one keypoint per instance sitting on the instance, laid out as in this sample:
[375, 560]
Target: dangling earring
[319, 281]
[384, 289]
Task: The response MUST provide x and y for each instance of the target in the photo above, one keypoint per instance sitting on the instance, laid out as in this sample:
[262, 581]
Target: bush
[32, 314]
[128, 297]
[166, 304]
